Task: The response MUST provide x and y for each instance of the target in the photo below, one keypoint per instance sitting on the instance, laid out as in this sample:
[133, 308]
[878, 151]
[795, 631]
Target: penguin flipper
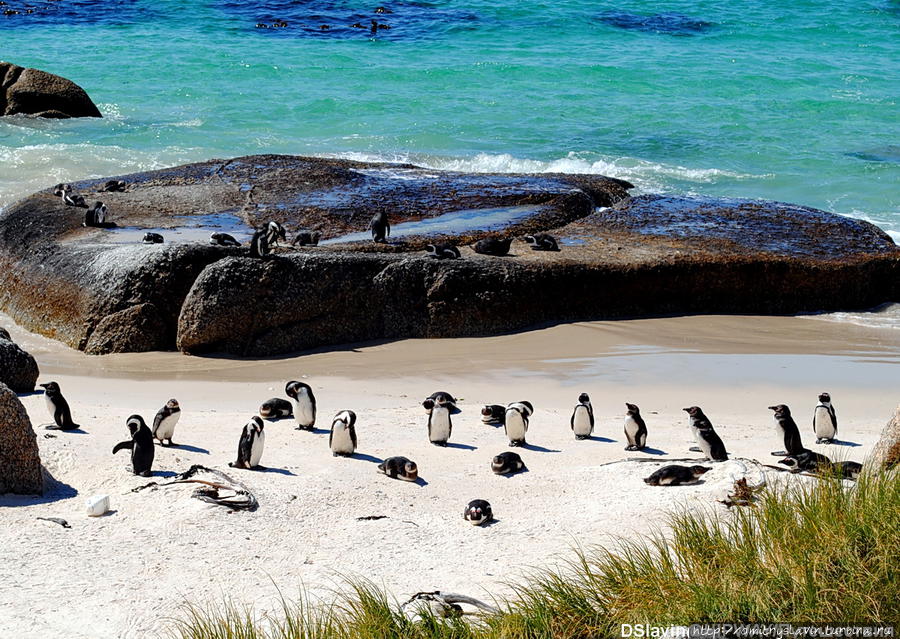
[123, 445]
[353, 436]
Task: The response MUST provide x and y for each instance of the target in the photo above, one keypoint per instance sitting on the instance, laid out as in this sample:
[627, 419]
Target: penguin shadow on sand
[600, 438]
[459, 446]
[839, 442]
[184, 447]
[267, 469]
[365, 457]
[648, 450]
[54, 429]
[538, 449]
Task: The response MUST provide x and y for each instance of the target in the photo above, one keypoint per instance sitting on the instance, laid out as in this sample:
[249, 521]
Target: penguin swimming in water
[788, 430]
[515, 422]
[165, 420]
[507, 463]
[153, 238]
[493, 246]
[223, 239]
[542, 242]
[304, 404]
[140, 444]
[825, 420]
[112, 186]
[380, 225]
[707, 438]
[478, 512]
[251, 444]
[275, 232]
[306, 238]
[96, 215]
[276, 408]
[635, 428]
[675, 475]
[399, 468]
[493, 414]
[443, 251]
[58, 408]
[582, 420]
[342, 439]
[439, 424]
[259, 244]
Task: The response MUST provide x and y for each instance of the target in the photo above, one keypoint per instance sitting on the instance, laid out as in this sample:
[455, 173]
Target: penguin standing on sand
[788, 430]
[507, 463]
[165, 420]
[582, 420]
[304, 404]
[439, 424]
[399, 468]
[380, 226]
[251, 444]
[635, 428]
[478, 512]
[707, 438]
[515, 422]
[825, 420]
[342, 439]
[140, 444]
[259, 244]
[58, 408]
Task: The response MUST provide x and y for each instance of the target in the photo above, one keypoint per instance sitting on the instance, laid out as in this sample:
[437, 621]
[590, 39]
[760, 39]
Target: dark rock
[136, 329]
[20, 463]
[18, 370]
[34, 92]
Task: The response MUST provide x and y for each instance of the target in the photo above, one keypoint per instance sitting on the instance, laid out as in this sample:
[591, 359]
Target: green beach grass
[805, 552]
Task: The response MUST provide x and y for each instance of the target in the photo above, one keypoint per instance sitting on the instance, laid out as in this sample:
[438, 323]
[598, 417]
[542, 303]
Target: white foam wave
[885, 316]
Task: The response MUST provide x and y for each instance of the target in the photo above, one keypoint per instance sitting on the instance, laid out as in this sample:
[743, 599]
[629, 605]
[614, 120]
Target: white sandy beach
[125, 574]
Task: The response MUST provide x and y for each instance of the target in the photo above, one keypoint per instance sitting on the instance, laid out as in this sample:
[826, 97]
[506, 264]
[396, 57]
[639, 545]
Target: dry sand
[125, 574]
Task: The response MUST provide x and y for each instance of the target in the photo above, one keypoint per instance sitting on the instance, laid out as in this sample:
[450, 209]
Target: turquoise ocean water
[789, 101]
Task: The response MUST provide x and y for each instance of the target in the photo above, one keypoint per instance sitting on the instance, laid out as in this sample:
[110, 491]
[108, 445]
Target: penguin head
[632, 409]
[256, 424]
[431, 249]
[52, 388]
[693, 411]
[781, 411]
[699, 470]
[135, 423]
[824, 398]
[487, 411]
[529, 409]
[410, 469]
[790, 461]
[172, 404]
[530, 239]
[584, 398]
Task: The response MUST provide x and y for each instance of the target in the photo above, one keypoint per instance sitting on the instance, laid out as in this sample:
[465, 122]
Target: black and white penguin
[399, 468]
[443, 251]
[440, 398]
[61, 189]
[493, 246]
[582, 420]
[223, 239]
[515, 422]
[276, 408]
[788, 430]
[439, 424]
[380, 225]
[825, 420]
[342, 439]
[275, 232]
[306, 238]
[675, 475]
[304, 404]
[70, 198]
[152, 238]
[707, 438]
[140, 444]
[847, 469]
[251, 444]
[478, 512]
[493, 414]
[112, 186]
[382, 10]
[259, 244]
[165, 420]
[807, 460]
[507, 463]
[58, 408]
[96, 215]
[542, 242]
[635, 428]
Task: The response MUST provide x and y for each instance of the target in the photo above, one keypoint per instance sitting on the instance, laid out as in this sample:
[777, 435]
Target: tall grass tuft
[805, 552]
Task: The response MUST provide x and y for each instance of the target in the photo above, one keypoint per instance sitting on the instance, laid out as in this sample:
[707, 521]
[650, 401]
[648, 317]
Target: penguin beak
[775, 408]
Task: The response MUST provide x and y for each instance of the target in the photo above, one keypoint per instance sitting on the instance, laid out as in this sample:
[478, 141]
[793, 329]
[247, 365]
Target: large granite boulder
[34, 92]
[886, 454]
[18, 369]
[20, 463]
[101, 290]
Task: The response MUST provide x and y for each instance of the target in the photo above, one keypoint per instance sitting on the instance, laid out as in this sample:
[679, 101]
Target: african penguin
[440, 398]
[582, 420]
[493, 414]
[306, 238]
[478, 512]
[707, 438]
[342, 439]
[380, 226]
[542, 242]
[259, 244]
[140, 444]
[71, 198]
[165, 420]
[223, 239]
[152, 238]
[113, 185]
[251, 444]
[507, 463]
[675, 475]
[807, 460]
[439, 424]
[788, 430]
[276, 408]
[825, 420]
[58, 407]
[96, 215]
[635, 429]
[443, 251]
[847, 469]
[493, 246]
[399, 468]
[304, 404]
[515, 422]
[61, 189]
[275, 232]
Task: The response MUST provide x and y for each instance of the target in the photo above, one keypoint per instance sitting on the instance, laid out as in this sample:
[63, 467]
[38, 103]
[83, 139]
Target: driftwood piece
[226, 492]
[447, 604]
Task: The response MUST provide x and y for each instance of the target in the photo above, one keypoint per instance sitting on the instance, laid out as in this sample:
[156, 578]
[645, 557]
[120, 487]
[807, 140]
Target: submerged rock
[41, 94]
[20, 463]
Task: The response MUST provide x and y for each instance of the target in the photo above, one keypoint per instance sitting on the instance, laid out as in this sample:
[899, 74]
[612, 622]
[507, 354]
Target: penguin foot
[580, 437]
[695, 449]
[52, 427]
[631, 448]
[171, 443]
[443, 444]
[145, 473]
